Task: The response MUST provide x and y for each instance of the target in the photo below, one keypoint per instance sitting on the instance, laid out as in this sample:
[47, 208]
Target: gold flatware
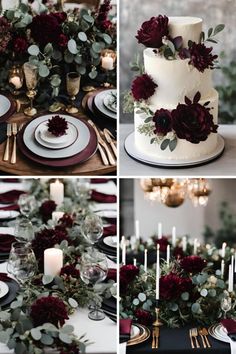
[202, 338]
[195, 335]
[153, 339]
[191, 339]
[103, 144]
[157, 336]
[108, 135]
[205, 334]
[14, 132]
[103, 155]
[6, 153]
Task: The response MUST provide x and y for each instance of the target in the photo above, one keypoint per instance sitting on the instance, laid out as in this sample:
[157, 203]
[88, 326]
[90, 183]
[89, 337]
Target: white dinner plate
[108, 101]
[135, 331]
[45, 138]
[8, 214]
[3, 289]
[78, 146]
[110, 241]
[110, 214]
[98, 102]
[219, 332]
[5, 105]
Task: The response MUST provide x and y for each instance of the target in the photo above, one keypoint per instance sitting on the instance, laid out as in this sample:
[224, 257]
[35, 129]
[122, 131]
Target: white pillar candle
[158, 274]
[16, 81]
[53, 261]
[184, 243]
[230, 283]
[57, 215]
[159, 232]
[123, 245]
[232, 270]
[57, 192]
[222, 267]
[223, 249]
[135, 262]
[235, 261]
[107, 62]
[145, 260]
[137, 231]
[195, 244]
[173, 236]
[168, 255]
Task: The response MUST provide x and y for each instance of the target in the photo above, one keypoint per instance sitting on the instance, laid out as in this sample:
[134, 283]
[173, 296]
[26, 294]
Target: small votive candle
[107, 62]
[57, 215]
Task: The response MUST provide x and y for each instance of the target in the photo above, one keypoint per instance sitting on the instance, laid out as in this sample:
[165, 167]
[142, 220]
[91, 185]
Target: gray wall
[186, 218]
[134, 12]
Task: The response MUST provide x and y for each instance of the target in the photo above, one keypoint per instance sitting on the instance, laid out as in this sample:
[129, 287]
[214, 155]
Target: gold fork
[202, 338]
[14, 133]
[191, 339]
[153, 338]
[6, 153]
[195, 335]
[205, 334]
[108, 135]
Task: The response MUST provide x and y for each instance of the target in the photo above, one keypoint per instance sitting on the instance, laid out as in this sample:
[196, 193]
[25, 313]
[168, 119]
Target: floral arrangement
[57, 125]
[56, 42]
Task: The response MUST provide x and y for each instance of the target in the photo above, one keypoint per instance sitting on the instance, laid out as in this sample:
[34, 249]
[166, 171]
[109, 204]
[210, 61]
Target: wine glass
[226, 304]
[24, 231]
[92, 228]
[22, 263]
[93, 270]
[81, 188]
[73, 87]
[31, 78]
[27, 203]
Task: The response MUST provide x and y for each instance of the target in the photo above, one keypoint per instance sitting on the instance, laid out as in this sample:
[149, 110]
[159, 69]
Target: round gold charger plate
[141, 337]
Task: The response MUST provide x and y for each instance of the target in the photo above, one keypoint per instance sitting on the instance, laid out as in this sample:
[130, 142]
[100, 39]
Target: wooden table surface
[26, 167]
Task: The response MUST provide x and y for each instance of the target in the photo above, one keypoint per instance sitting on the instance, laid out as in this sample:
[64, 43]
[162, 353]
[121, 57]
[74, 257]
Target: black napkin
[3, 132]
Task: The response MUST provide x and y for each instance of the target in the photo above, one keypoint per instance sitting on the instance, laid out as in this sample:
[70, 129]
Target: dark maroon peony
[201, 57]
[163, 121]
[178, 252]
[192, 121]
[60, 16]
[57, 125]
[102, 20]
[112, 274]
[123, 284]
[129, 271]
[66, 221]
[49, 309]
[144, 317]
[193, 264]
[20, 45]
[63, 40]
[46, 209]
[152, 31]
[143, 87]
[170, 286]
[70, 270]
[186, 285]
[163, 242]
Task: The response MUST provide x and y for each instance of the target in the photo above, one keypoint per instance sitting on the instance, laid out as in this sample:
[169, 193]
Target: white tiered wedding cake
[176, 106]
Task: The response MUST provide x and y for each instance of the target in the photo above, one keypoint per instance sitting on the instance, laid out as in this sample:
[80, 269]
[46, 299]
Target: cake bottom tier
[184, 149]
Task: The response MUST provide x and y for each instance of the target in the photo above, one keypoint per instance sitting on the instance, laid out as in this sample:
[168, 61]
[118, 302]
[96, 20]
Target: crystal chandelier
[173, 192]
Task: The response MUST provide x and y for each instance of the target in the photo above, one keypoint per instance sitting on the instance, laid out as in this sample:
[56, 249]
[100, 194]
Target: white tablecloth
[103, 333]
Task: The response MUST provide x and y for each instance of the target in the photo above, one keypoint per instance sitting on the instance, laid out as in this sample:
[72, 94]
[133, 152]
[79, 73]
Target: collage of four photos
[117, 177]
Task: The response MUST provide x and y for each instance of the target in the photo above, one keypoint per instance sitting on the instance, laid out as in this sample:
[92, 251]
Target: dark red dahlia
[66, 221]
[46, 209]
[178, 252]
[186, 285]
[143, 87]
[163, 242]
[70, 349]
[163, 121]
[70, 270]
[20, 45]
[201, 57]
[63, 40]
[57, 125]
[152, 31]
[170, 286]
[112, 274]
[49, 309]
[60, 16]
[192, 121]
[129, 271]
[123, 284]
[5, 33]
[193, 264]
[102, 20]
[144, 317]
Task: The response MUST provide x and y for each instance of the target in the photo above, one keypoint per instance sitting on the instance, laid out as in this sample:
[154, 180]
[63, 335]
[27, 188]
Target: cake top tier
[189, 28]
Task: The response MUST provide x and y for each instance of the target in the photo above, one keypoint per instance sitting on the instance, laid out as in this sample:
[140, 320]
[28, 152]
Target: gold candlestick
[157, 322]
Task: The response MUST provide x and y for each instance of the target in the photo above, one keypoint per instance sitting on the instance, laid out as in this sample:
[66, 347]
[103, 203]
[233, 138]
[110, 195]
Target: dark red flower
[178, 252]
[123, 284]
[5, 33]
[105, 25]
[144, 317]
[45, 28]
[163, 121]
[143, 87]
[152, 31]
[70, 270]
[20, 45]
[186, 285]
[192, 121]
[163, 242]
[129, 271]
[66, 221]
[201, 57]
[112, 274]
[170, 286]
[70, 349]
[60, 16]
[102, 16]
[193, 264]
[49, 309]
[57, 125]
[63, 40]
[46, 209]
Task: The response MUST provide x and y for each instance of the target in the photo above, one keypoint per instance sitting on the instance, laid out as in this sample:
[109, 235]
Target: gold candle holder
[73, 87]
[16, 78]
[31, 74]
[157, 322]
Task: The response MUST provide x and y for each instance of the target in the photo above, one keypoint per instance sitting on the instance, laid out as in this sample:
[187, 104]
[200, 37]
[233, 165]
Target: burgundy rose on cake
[151, 32]
[143, 87]
[200, 56]
[57, 126]
[163, 121]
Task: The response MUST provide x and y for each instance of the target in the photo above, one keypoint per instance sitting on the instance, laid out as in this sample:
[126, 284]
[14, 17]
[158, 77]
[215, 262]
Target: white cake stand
[139, 156]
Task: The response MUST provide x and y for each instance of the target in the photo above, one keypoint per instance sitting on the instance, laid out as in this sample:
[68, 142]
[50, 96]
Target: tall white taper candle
[123, 246]
[168, 255]
[230, 285]
[137, 230]
[159, 231]
[184, 243]
[195, 244]
[173, 236]
[57, 192]
[222, 268]
[223, 249]
[158, 274]
[145, 260]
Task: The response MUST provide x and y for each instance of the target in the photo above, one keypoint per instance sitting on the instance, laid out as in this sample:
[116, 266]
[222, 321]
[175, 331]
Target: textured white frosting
[189, 28]
[184, 149]
[175, 79]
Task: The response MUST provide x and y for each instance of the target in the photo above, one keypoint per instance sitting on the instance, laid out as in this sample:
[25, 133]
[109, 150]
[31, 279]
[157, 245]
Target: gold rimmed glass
[31, 79]
[73, 87]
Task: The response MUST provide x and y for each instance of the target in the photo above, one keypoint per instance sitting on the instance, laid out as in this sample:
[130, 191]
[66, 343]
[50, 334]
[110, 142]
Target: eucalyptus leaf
[82, 36]
[174, 307]
[81, 69]
[165, 143]
[33, 59]
[43, 70]
[204, 292]
[46, 339]
[185, 296]
[10, 14]
[93, 74]
[142, 297]
[210, 31]
[65, 338]
[67, 329]
[147, 120]
[96, 46]
[36, 334]
[135, 302]
[57, 55]
[33, 50]
[78, 59]
[173, 144]
[73, 303]
[195, 307]
[211, 40]
[219, 28]
[88, 18]
[48, 50]
[4, 337]
[72, 46]
[20, 348]
[47, 279]
[107, 38]
[152, 140]
[69, 57]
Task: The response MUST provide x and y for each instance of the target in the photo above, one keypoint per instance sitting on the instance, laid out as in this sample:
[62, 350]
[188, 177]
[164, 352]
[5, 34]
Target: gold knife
[157, 336]
[108, 136]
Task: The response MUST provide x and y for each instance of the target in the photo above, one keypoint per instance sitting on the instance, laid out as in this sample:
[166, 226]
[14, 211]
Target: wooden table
[26, 167]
